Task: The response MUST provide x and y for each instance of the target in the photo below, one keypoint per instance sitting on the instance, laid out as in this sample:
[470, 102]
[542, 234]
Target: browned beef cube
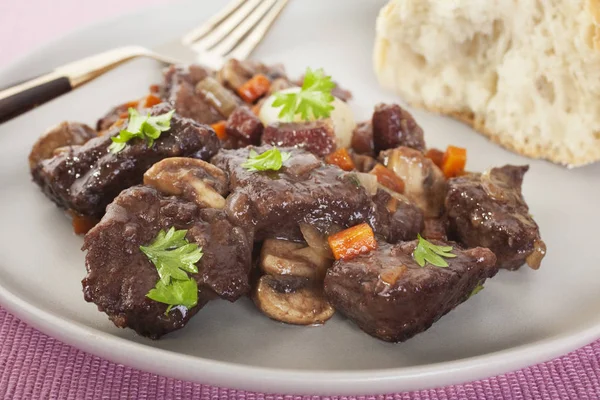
[393, 126]
[316, 137]
[243, 125]
[362, 138]
[389, 296]
[489, 210]
[87, 178]
[236, 72]
[395, 218]
[120, 275]
[180, 90]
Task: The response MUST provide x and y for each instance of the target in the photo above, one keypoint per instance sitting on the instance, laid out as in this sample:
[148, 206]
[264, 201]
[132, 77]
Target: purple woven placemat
[36, 366]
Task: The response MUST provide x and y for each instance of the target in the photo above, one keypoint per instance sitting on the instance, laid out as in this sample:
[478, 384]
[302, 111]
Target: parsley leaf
[477, 289]
[271, 159]
[312, 101]
[143, 127]
[177, 293]
[429, 252]
[173, 255]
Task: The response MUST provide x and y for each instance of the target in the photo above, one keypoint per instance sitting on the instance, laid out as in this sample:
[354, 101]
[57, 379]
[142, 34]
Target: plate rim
[263, 379]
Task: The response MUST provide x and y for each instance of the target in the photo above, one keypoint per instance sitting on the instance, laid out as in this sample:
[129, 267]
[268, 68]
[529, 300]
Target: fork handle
[23, 97]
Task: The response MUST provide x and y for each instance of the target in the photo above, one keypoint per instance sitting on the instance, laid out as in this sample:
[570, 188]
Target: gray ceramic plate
[519, 319]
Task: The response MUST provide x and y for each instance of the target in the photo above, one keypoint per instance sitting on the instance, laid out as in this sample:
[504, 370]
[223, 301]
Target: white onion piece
[369, 182]
[341, 117]
[316, 241]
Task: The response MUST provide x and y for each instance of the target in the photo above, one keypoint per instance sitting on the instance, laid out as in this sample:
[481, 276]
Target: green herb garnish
[312, 101]
[173, 256]
[429, 252]
[141, 126]
[177, 293]
[271, 159]
[477, 289]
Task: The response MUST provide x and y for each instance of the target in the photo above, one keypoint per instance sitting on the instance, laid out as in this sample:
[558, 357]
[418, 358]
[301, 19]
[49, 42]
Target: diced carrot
[341, 158]
[254, 88]
[219, 128]
[455, 159]
[82, 223]
[388, 178]
[132, 104]
[154, 88]
[151, 100]
[352, 242]
[437, 156]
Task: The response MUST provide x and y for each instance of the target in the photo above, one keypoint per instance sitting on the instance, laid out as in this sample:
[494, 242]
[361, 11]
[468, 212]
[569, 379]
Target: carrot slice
[219, 128]
[352, 242]
[437, 156]
[254, 88]
[341, 158]
[455, 159]
[151, 100]
[82, 223]
[388, 178]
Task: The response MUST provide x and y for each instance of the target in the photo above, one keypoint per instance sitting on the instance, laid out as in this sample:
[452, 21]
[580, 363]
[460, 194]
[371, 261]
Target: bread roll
[524, 73]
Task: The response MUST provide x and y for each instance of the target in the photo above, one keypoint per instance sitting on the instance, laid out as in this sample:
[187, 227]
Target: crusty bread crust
[537, 152]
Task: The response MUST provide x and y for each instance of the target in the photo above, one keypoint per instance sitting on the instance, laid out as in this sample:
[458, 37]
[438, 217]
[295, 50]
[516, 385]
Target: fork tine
[249, 43]
[198, 32]
[226, 26]
[243, 29]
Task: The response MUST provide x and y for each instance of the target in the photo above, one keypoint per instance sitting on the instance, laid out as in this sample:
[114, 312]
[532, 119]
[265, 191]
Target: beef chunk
[317, 137]
[180, 91]
[424, 182]
[273, 203]
[393, 126]
[56, 139]
[489, 210]
[87, 178]
[435, 228]
[120, 275]
[395, 218]
[244, 126]
[389, 296]
[362, 138]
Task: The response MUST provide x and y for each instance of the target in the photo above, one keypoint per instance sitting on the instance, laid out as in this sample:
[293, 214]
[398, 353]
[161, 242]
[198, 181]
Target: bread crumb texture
[525, 73]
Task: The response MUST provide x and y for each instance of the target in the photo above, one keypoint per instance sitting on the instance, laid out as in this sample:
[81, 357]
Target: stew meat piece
[87, 178]
[393, 126]
[489, 210]
[180, 91]
[303, 190]
[389, 296]
[317, 137]
[120, 275]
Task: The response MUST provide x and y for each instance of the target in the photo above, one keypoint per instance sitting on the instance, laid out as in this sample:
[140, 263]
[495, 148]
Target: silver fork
[234, 32]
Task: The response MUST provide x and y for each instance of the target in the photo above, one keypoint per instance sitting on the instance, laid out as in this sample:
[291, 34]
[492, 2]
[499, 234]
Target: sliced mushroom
[64, 134]
[282, 257]
[194, 180]
[425, 183]
[293, 300]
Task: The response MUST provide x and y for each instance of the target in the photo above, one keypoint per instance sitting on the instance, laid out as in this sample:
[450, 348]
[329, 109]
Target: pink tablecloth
[35, 366]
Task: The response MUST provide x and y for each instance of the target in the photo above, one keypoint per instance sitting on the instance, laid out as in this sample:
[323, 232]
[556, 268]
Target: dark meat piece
[120, 275]
[56, 138]
[235, 72]
[393, 126]
[489, 210]
[180, 90]
[317, 137]
[362, 138]
[362, 162]
[389, 296]
[87, 178]
[436, 228]
[273, 203]
[114, 114]
[341, 93]
[244, 126]
[395, 218]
